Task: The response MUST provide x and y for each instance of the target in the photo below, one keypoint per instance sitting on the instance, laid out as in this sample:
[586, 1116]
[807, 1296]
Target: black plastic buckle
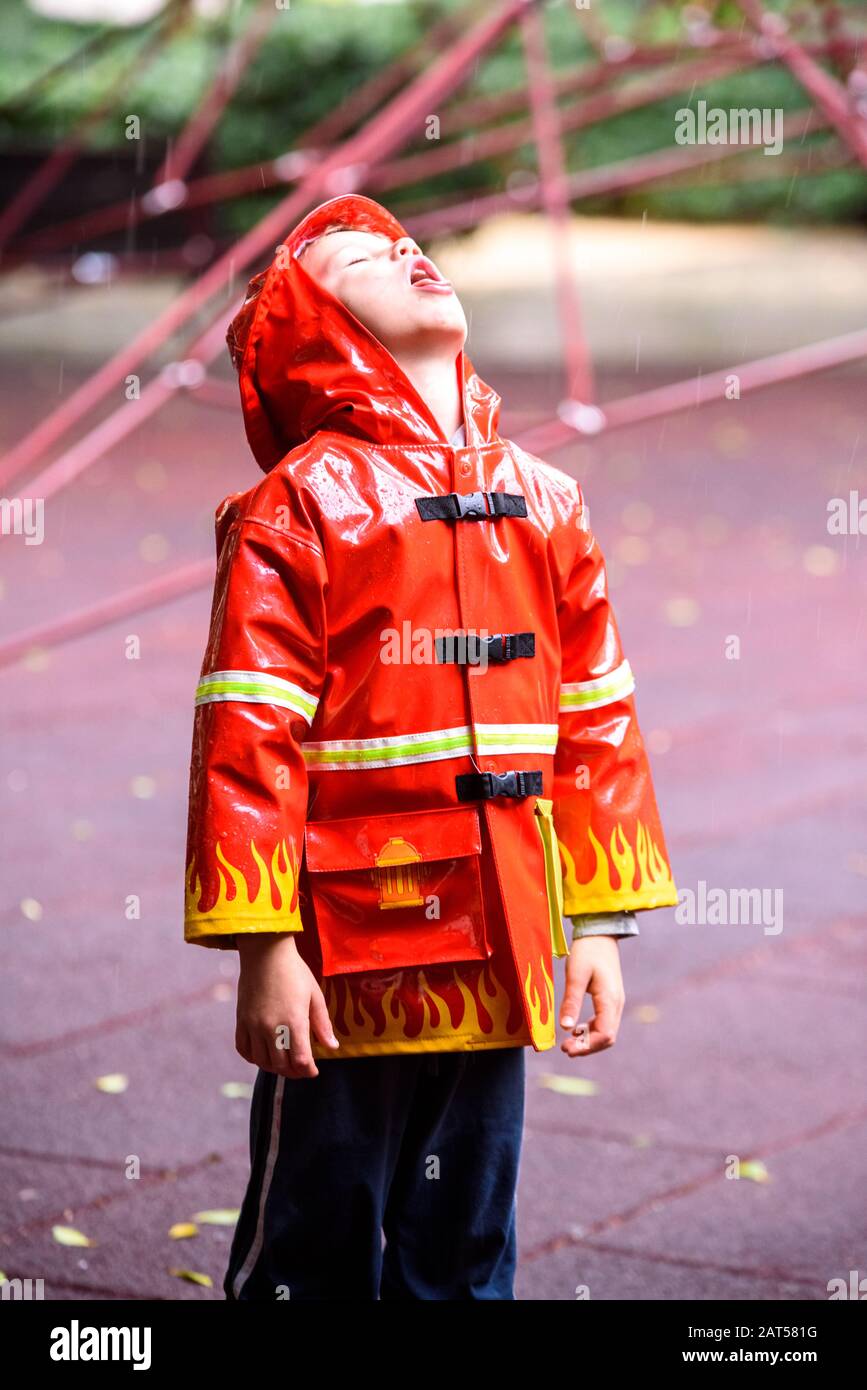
[481, 786]
[469, 649]
[508, 646]
[470, 505]
[502, 783]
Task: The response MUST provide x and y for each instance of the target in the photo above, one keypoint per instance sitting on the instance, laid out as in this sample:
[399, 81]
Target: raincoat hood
[306, 363]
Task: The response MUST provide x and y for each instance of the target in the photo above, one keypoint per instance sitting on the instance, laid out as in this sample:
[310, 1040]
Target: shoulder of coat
[295, 469]
[278, 499]
[258, 502]
[560, 485]
[229, 510]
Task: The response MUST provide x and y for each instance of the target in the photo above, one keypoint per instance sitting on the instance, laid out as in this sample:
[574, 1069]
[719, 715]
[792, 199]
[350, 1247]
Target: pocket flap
[368, 842]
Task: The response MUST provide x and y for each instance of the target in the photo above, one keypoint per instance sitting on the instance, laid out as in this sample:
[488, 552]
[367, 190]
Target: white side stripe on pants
[270, 1163]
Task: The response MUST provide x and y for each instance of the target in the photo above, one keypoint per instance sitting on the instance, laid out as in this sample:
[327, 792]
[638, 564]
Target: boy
[415, 750]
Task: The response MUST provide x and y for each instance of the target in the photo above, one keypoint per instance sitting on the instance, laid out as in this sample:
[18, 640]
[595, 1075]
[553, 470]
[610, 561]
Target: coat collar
[306, 363]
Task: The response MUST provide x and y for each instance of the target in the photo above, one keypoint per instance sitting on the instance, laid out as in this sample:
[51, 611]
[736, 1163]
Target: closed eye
[359, 258]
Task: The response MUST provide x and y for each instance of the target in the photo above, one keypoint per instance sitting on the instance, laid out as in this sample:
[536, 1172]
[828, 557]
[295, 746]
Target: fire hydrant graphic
[397, 874]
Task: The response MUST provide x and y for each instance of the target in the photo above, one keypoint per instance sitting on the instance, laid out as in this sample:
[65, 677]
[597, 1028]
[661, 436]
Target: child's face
[397, 293]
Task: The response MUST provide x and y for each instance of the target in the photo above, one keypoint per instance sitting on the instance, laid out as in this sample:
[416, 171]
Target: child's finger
[259, 1053]
[320, 1019]
[577, 980]
[242, 1042]
[602, 1031]
[300, 1053]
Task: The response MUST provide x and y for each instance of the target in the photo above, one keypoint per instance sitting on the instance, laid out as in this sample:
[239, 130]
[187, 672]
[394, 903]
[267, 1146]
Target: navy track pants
[387, 1177]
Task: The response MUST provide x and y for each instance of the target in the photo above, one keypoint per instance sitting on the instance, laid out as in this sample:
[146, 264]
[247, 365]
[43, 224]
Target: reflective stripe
[603, 690]
[431, 746]
[517, 738]
[256, 688]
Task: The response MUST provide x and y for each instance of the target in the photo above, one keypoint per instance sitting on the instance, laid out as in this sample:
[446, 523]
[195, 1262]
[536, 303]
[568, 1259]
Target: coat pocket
[553, 874]
[397, 890]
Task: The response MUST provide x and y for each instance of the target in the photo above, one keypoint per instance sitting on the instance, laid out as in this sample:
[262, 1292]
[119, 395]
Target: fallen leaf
[67, 1235]
[568, 1085]
[647, 1013]
[112, 1084]
[754, 1170]
[236, 1090]
[182, 1229]
[192, 1277]
[219, 1217]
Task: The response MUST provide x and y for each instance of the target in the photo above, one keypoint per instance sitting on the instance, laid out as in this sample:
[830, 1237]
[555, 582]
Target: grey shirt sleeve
[604, 924]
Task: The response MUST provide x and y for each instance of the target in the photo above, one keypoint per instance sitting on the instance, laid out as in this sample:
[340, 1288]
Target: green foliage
[320, 50]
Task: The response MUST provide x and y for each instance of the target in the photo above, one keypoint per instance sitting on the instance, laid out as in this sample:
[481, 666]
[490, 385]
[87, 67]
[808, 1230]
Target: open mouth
[424, 275]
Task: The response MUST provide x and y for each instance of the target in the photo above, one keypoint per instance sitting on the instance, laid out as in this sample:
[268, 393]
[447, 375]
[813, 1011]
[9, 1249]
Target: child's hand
[277, 991]
[593, 967]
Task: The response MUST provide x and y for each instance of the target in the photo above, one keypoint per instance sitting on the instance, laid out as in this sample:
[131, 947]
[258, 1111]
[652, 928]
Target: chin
[444, 319]
[429, 332]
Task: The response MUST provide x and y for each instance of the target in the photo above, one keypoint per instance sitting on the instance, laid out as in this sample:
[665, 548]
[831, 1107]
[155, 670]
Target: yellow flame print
[541, 1017]
[367, 1023]
[611, 886]
[234, 905]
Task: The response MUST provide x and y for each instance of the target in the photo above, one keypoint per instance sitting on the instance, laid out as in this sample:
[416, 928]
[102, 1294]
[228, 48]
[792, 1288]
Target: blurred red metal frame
[721, 60]
[360, 160]
[36, 189]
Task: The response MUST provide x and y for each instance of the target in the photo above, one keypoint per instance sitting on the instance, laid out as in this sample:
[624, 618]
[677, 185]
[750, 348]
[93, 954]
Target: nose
[405, 246]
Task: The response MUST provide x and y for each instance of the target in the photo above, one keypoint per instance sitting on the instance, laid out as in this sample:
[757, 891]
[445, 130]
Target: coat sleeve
[606, 819]
[260, 684]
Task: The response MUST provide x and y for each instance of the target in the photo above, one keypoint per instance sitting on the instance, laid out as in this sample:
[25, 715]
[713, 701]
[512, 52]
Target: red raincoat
[421, 814]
